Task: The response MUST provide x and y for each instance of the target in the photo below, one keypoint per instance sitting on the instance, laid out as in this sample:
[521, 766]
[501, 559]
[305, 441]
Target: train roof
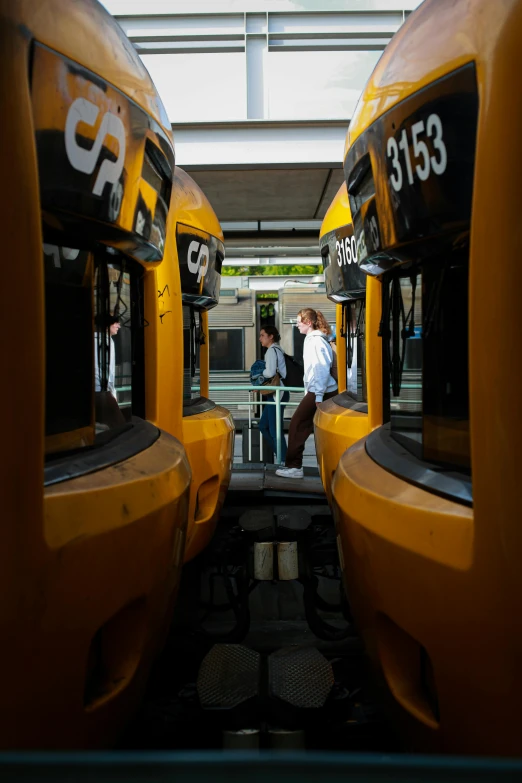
[436, 39]
[338, 213]
[192, 206]
[87, 34]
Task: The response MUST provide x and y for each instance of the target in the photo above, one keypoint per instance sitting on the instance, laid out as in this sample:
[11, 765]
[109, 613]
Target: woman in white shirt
[274, 362]
[319, 385]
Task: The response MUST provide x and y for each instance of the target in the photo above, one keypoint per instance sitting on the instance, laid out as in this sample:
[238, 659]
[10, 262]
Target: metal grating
[301, 676]
[256, 519]
[228, 676]
[293, 301]
[239, 396]
[240, 313]
[294, 519]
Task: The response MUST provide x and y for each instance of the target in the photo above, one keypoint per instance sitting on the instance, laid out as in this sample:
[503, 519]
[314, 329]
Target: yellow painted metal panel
[430, 580]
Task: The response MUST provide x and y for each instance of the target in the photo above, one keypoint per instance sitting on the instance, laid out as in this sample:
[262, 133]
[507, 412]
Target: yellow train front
[427, 505]
[94, 496]
[343, 420]
[207, 428]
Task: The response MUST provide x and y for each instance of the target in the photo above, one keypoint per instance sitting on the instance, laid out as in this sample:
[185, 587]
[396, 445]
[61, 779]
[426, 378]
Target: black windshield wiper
[402, 328]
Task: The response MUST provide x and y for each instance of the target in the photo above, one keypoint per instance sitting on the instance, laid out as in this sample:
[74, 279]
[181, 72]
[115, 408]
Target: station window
[226, 349]
[425, 342]
[192, 336]
[354, 323]
[94, 346]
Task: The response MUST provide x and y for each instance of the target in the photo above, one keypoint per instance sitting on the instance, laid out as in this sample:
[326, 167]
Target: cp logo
[198, 251]
[84, 160]
[69, 253]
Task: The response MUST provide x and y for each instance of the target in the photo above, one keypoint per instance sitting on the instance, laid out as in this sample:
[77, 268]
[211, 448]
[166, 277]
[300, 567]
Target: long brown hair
[316, 318]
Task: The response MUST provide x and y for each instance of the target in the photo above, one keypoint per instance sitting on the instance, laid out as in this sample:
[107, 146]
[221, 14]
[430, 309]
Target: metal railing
[278, 391]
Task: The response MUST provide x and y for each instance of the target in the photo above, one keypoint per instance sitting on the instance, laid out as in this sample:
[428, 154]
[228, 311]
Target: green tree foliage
[269, 295]
[275, 269]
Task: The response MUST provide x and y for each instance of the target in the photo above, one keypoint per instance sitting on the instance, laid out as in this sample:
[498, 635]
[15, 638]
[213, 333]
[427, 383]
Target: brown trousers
[301, 427]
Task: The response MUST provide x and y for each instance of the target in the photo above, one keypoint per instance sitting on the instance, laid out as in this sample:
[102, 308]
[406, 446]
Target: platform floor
[261, 479]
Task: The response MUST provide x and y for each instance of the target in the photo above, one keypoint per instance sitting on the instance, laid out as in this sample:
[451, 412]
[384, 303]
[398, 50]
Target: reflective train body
[94, 495]
[344, 419]
[427, 505]
[207, 428]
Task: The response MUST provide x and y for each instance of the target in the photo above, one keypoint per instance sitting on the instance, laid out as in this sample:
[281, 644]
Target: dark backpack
[294, 372]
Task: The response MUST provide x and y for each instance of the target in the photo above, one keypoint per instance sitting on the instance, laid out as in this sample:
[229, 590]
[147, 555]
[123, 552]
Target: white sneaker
[294, 473]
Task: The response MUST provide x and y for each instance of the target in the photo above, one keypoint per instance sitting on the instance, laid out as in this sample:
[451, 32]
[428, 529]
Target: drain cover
[256, 519]
[228, 676]
[301, 676]
[294, 519]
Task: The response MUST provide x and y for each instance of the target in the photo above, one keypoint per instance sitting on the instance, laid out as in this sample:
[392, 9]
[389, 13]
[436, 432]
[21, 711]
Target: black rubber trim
[137, 437]
[345, 400]
[198, 405]
[200, 302]
[383, 449]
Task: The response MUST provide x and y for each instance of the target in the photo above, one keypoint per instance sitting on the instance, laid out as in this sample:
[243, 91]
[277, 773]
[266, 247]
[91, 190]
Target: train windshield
[401, 330]
[425, 337]
[94, 339]
[354, 314]
[192, 337]
[410, 184]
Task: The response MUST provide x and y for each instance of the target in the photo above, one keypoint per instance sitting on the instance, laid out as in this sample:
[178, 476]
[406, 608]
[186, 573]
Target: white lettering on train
[82, 110]
[69, 253]
[429, 163]
[200, 266]
[346, 251]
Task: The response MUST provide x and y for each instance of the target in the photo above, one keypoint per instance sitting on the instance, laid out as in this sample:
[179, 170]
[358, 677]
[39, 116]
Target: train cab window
[446, 384]
[354, 315]
[402, 310]
[117, 342]
[226, 349]
[412, 226]
[425, 343]
[69, 347]
[192, 336]
[94, 346]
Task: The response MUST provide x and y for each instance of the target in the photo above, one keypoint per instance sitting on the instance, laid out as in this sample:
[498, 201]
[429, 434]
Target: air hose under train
[238, 604]
[230, 558]
[312, 600]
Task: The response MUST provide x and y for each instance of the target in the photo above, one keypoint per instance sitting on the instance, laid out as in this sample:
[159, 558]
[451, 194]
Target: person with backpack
[319, 385]
[275, 362]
